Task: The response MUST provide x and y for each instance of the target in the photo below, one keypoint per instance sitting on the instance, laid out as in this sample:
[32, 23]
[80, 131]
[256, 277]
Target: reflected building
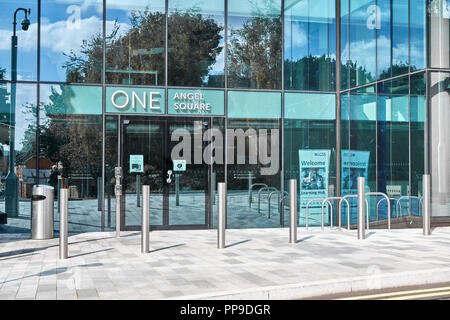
[185, 94]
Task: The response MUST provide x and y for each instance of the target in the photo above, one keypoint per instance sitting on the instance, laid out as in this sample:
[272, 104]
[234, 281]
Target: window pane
[254, 44]
[310, 45]
[196, 43]
[392, 38]
[393, 143]
[417, 13]
[253, 159]
[364, 19]
[359, 160]
[71, 150]
[135, 45]
[309, 151]
[26, 40]
[17, 169]
[71, 41]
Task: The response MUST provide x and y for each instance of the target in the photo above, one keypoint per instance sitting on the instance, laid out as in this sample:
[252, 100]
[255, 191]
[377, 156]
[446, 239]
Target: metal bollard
[145, 243]
[118, 192]
[221, 212]
[138, 190]
[426, 185]
[293, 211]
[361, 207]
[63, 225]
[177, 190]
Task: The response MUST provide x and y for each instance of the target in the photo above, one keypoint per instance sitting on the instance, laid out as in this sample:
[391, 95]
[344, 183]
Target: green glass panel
[309, 106]
[256, 105]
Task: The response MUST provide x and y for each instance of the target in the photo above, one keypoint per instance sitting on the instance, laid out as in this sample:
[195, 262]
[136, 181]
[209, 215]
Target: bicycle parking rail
[378, 203]
[387, 200]
[331, 205]
[398, 204]
[307, 207]
[250, 192]
[267, 189]
[348, 206]
[340, 212]
[268, 202]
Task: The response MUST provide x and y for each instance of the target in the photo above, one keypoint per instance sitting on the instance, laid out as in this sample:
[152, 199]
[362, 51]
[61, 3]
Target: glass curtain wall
[196, 43]
[135, 42]
[254, 44]
[253, 159]
[71, 150]
[310, 45]
[381, 39]
[393, 144]
[359, 143]
[17, 155]
[71, 41]
[310, 153]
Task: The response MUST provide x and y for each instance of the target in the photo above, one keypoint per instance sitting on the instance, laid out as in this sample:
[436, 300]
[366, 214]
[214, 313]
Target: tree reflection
[137, 55]
[254, 54]
[73, 139]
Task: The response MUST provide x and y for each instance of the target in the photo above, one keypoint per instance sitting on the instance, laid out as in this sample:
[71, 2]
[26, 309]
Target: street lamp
[12, 181]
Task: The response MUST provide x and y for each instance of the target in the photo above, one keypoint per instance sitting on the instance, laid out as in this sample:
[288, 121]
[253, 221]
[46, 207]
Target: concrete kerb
[327, 287]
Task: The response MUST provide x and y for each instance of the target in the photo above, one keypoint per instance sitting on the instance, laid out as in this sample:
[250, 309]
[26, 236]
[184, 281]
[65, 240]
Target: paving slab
[256, 264]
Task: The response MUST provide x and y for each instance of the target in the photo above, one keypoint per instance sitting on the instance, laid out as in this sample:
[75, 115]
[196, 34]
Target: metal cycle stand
[426, 211]
[250, 192]
[63, 223]
[221, 213]
[388, 204]
[307, 207]
[145, 229]
[293, 211]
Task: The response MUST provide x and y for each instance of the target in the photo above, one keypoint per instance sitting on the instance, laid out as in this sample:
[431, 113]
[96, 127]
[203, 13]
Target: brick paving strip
[256, 264]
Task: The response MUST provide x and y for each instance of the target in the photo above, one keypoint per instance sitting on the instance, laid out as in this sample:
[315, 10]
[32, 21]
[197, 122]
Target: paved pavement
[256, 264]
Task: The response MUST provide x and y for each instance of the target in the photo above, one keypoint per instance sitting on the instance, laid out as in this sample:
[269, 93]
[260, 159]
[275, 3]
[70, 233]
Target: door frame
[166, 207]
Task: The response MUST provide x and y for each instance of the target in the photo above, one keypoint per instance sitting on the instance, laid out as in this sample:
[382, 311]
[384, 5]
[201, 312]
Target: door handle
[169, 174]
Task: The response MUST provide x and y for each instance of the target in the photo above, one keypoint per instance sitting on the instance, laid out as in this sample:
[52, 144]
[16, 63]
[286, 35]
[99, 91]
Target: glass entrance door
[165, 153]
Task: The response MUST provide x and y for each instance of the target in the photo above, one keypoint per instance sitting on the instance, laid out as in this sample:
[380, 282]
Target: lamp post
[12, 181]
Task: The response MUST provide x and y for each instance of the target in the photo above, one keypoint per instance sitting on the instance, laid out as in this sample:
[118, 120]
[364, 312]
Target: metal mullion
[103, 118]
[225, 153]
[38, 94]
[282, 116]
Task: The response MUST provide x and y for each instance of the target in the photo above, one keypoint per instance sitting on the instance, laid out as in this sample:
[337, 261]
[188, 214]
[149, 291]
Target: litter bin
[42, 212]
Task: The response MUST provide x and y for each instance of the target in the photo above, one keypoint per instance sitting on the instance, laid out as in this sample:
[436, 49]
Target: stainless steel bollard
[221, 212]
[293, 211]
[145, 237]
[138, 190]
[177, 190]
[426, 185]
[63, 225]
[118, 192]
[361, 207]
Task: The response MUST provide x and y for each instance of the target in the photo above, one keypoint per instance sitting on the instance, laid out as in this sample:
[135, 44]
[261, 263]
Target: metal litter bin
[42, 212]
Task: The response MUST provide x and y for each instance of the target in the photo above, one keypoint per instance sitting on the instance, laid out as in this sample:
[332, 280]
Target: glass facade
[185, 94]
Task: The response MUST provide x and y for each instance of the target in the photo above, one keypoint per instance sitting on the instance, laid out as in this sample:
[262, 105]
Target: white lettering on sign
[191, 101]
[135, 100]
[113, 99]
